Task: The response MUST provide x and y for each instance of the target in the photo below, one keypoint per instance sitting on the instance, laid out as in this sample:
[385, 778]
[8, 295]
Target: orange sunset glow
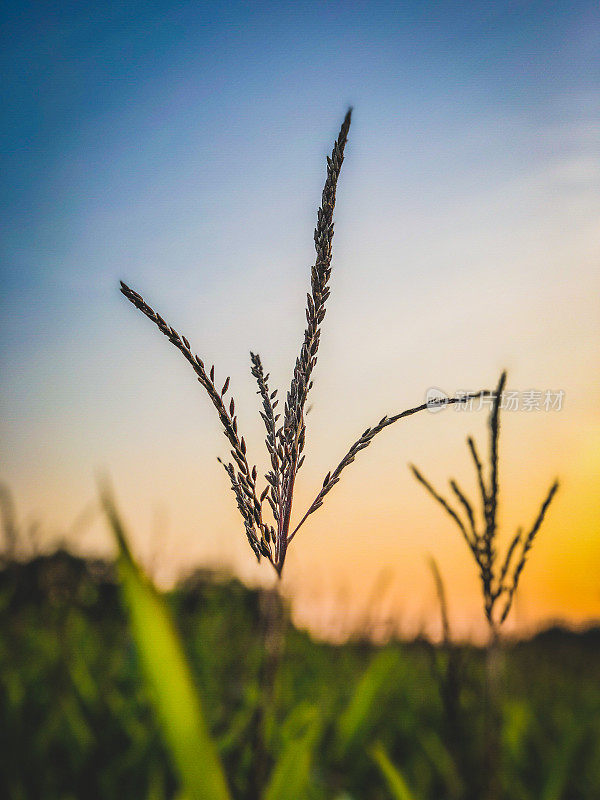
[466, 242]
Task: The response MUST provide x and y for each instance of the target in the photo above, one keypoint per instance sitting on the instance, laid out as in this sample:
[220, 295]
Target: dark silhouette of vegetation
[76, 721]
[499, 580]
[285, 441]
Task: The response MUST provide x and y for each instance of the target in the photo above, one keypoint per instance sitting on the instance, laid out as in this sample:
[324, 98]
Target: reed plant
[499, 577]
[285, 439]
[499, 580]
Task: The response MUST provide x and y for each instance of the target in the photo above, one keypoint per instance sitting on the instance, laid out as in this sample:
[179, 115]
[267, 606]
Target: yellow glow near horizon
[466, 242]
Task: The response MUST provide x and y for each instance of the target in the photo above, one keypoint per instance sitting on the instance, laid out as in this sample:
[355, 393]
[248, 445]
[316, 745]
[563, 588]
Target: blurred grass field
[77, 721]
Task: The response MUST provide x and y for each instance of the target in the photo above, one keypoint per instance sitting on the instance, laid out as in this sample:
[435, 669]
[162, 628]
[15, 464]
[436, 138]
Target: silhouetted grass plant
[285, 440]
[499, 577]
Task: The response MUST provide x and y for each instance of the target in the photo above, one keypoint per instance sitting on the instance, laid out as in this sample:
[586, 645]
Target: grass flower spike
[286, 433]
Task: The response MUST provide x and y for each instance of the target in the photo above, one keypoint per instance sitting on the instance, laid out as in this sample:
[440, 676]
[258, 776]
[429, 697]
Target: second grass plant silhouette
[285, 441]
[499, 578]
[499, 581]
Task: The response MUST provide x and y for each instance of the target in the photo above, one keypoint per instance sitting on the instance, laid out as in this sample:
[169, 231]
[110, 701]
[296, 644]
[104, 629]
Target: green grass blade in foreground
[291, 775]
[366, 701]
[435, 750]
[166, 670]
[562, 763]
[395, 781]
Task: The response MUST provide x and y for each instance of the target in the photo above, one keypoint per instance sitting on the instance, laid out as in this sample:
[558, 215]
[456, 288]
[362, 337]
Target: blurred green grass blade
[561, 765]
[176, 701]
[291, 775]
[393, 777]
[365, 703]
[438, 754]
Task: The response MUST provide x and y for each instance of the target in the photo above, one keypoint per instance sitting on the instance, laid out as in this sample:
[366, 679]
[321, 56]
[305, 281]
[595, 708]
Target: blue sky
[196, 109]
[181, 147]
[84, 82]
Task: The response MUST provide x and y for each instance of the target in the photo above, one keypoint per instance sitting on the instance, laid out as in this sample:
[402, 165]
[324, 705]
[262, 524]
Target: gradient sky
[182, 147]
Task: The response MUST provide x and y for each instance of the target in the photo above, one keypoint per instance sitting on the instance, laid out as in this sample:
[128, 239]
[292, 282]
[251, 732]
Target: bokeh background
[182, 148]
